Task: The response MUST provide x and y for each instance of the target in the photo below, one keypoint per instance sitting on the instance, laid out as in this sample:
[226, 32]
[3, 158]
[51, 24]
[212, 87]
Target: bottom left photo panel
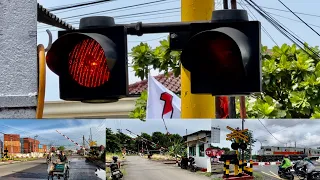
[52, 149]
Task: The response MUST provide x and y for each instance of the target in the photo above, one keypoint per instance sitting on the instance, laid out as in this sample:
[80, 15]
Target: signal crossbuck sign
[237, 134]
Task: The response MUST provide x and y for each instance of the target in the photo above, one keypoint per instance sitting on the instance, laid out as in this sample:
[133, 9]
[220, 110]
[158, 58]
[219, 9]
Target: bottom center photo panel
[212, 149]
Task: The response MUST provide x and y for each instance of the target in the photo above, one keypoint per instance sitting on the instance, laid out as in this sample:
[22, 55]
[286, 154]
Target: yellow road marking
[271, 175]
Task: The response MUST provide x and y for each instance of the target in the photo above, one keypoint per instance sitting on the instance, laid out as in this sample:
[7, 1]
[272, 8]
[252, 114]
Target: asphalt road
[138, 168]
[271, 172]
[37, 170]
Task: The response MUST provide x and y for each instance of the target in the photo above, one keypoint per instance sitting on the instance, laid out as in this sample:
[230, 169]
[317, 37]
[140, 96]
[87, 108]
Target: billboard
[215, 135]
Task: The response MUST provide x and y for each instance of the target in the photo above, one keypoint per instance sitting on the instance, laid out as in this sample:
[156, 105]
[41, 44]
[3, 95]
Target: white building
[197, 143]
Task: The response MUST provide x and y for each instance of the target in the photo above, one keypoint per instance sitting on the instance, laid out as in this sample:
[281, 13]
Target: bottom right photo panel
[213, 149]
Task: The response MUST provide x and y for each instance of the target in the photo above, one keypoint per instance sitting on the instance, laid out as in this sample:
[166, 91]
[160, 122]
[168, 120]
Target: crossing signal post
[239, 167]
[228, 53]
[92, 62]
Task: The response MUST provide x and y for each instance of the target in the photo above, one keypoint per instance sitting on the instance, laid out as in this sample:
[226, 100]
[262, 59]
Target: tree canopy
[290, 77]
[116, 141]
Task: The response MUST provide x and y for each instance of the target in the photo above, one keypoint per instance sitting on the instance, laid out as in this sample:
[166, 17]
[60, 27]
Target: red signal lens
[88, 64]
[225, 56]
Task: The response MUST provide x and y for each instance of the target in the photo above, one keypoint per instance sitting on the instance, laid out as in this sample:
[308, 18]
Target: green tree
[291, 81]
[61, 148]
[112, 142]
[177, 149]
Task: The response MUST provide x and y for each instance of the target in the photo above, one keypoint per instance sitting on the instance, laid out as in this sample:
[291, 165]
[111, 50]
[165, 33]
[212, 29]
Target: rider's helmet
[306, 159]
[299, 158]
[286, 156]
[115, 158]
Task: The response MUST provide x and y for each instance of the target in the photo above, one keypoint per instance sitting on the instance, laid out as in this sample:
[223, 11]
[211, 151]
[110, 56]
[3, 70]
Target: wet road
[138, 168]
[271, 172]
[37, 170]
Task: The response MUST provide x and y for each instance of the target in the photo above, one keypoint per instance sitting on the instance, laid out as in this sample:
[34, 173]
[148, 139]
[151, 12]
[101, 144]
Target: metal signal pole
[195, 105]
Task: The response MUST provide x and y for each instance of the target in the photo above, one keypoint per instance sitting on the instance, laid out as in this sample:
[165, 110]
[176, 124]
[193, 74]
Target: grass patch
[258, 175]
[17, 159]
[208, 174]
[110, 155]
[159, 157]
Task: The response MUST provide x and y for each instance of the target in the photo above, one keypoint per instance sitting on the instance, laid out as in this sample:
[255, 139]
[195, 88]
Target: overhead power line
[79, 5]
[109, 10]
[282, 10]
[299, 18]
[283, 30]
[157, 3]
[142, 14]
[269, 131]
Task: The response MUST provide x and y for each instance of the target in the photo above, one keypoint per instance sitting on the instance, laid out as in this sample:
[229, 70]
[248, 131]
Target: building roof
[198, 132]
[169, 81]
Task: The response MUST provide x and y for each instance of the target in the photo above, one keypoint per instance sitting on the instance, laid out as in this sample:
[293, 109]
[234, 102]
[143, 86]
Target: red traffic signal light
[223, 58]
[88, 62]
[91, 62]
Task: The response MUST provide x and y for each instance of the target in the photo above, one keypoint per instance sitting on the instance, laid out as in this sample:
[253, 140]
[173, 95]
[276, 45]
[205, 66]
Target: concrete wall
[201, 162]
[18, 58]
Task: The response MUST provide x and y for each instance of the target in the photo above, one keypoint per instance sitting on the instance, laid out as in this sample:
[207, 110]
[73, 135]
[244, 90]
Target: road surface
[37, 170]
[139, 168]
[270, 172]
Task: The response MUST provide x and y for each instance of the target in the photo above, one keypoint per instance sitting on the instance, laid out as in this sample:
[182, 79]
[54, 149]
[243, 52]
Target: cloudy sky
[46, 130]
[124, 16]
[304, 132]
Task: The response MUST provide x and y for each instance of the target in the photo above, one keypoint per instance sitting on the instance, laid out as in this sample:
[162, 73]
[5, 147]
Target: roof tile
[170, 82]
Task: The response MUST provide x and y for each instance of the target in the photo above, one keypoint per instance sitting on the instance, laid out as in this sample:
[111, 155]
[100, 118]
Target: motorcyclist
[286, 163]
[308, 164]
[63, 157]
[49, 157]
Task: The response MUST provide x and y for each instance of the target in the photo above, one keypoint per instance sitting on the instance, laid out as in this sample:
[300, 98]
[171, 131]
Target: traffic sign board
[237, 134]
[209, 152]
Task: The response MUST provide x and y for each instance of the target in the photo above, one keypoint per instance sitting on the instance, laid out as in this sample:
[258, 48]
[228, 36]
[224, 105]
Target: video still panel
[118, 66]
[217, 149]
[53, 149]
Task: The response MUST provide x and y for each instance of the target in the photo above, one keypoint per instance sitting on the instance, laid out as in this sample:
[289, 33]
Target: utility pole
[19, 82]
[90, 140]
[83, 144]
[194, 105]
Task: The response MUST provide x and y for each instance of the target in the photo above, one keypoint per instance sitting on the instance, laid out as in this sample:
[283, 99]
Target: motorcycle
[192, 165]
[301, 172]
[116, 174]
[286, 173]
[184, 163]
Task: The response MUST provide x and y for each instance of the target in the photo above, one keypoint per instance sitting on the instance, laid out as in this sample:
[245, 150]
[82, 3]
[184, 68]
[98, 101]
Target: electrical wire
[299, 18]
[96, 2]
[109, 10]
[269, 131]
[306, 14]
[263, 28]
[282, 29]
[133, 15]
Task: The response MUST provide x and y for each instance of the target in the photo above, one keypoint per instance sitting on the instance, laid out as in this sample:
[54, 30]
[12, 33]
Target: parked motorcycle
[192, 165]
[184, 163]
[116, 174]
[286, 173]
[301, 172]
